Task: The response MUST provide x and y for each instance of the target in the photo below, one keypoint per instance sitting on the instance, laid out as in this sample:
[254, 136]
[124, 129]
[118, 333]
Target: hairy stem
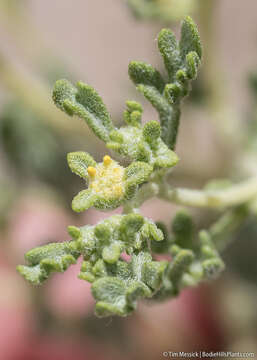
[235, 195]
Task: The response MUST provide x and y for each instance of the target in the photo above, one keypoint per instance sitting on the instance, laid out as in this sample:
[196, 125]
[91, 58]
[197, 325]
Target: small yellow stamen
[118, 190]
[94, 186]
[91, 171]
[116, 170]
[107, 160]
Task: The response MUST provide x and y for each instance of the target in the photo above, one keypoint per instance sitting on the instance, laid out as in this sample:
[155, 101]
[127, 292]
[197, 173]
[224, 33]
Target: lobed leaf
[190, 39]
[44, 260]
[143, 73]
[79, 161]
[84, 102]
[169, 50]
[181, 62]
[83, 201]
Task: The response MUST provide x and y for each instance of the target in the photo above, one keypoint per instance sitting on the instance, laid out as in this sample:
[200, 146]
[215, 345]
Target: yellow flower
[109, 184]
[106, 179]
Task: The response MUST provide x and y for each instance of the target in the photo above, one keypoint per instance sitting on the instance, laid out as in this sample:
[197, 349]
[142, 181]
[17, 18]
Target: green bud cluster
[149, 146]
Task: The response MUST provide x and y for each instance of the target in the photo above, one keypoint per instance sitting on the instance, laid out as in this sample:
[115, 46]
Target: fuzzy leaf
[79, 161]
[161, 247]
[136, 173]
[83, 201]
[111, 253]
[212, 268]
[181, 62]
[190, 39]
[84, 102]
[182, 227]
[169, 50]
[148, 148]
[117, 295]
[133, 114]
[179, 265]
[129, 228]
[143, 73]
[151, 132]
[192, 64]
[153, 273]
[46, 259]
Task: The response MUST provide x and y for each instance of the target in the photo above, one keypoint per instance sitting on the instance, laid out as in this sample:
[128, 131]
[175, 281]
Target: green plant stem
[232, 196]
[235, 195]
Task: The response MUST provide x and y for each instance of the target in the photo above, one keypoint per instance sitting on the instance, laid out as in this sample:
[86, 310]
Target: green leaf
[169, 50]
[179, 265]
[156, 99]
[190, 39]
[103, 233]
[63, 90]
[148, 148]
[133, 114]
[135, 174]
[158, 246]
[145, 74]
[83, 201]
[84, 102]
[134, 106]
[111, 253]
[33, 274]
[79, 161]
[183, 228]
[74, 232]
[212, 268]
[129, 228]
[153, 273]
[44, 260]
[192, 64]
[109, 293]
[152, 232]
[117, 295]
[181, 62]
[152, 132]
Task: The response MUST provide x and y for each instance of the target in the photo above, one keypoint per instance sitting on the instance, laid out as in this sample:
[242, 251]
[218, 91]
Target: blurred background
[93, 41]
